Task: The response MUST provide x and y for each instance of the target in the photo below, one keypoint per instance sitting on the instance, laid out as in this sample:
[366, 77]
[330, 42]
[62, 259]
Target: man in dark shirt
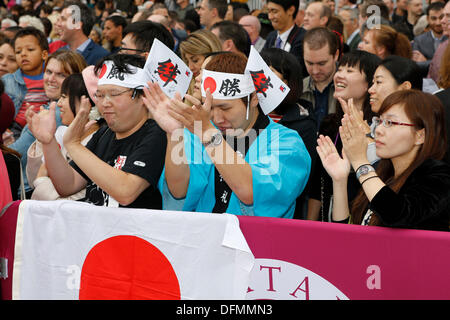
[121, 164]
[321, 54]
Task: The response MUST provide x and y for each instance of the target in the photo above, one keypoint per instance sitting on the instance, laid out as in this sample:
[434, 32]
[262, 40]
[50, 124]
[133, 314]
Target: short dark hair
[47, 26]
[234, 31]
[86, 15]
[117, 21]
[286, 4]
[220, 5]
[318, 37]
[46, 8]
[435, 6]
[74, 87]
[144, 32]
[32, 31]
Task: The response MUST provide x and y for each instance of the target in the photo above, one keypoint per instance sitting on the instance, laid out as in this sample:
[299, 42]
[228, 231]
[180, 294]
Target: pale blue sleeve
[280, 166]
[198, 177]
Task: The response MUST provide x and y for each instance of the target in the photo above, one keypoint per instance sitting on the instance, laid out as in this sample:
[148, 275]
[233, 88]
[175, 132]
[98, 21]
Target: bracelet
[369, 179]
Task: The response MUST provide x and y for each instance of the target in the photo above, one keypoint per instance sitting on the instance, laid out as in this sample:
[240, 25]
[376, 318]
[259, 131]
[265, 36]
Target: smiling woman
[411, 186]
[59, 66]
[8, 62]
[195, 48]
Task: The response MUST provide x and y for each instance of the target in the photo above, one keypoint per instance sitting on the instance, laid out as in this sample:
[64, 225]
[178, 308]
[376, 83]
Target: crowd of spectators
[362, 136]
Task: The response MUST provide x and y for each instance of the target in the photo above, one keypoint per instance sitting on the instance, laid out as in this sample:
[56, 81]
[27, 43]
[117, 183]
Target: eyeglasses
[100, 96]
[129, 49]
[387, 123]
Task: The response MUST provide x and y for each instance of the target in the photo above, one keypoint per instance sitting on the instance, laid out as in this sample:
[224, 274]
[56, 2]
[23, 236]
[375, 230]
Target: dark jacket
[423, 202]
[424, 43]
[444, 96]
[93, 53]
[300, 118]
[295, 39]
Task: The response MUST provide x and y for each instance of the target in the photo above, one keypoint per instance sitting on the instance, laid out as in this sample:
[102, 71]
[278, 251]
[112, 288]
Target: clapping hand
[197, 113]
[349, 108]
[42, 124]
[354, 140]
[336, 166]
[158, 105]
[77, 127]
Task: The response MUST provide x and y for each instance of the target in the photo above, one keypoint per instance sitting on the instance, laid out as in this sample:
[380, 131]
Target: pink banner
[313, 260]
[295, 259]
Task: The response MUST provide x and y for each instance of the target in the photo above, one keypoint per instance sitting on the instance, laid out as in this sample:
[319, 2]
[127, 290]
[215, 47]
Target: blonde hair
[200, 42]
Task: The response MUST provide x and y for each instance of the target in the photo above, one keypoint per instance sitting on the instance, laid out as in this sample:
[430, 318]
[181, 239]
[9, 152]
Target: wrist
[359, 162]
[208, 134]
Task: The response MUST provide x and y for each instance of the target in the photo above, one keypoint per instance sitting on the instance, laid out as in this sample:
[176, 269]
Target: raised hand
[337, 168]
[77, 127]
[190, 115]
[158, 105]
[354, 140]
[42, 124]
[349, 108]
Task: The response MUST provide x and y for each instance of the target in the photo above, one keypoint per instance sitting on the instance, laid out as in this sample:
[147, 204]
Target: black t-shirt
[141, 154]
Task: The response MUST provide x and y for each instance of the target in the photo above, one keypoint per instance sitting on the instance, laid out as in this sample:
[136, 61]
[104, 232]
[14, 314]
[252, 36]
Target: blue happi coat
[280, 166]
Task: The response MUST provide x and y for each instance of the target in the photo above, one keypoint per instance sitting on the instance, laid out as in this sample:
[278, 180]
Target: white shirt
[285, 45]
[349, 39]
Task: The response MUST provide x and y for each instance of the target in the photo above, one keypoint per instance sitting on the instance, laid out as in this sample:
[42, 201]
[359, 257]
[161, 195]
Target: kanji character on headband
[121, 164]
[223, 153]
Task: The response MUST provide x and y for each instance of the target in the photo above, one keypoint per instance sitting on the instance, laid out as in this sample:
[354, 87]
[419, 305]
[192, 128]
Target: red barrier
[313, 260]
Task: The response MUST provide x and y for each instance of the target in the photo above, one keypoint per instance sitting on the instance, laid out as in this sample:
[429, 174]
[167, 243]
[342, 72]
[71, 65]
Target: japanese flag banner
[167, 69]
[70, 250]
[270, 89]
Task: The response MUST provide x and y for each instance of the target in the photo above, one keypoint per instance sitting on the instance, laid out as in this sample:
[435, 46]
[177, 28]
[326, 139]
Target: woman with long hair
[194, 50]
[72, 89]
[410, 188]
[59, 66]
[385, 41]
[351, 81]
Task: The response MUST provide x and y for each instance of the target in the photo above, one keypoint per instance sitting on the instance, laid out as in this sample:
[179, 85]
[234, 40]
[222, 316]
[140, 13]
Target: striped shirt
[35, 96]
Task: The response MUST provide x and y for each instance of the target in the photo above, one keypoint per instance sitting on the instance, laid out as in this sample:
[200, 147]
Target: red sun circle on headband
[127, 268]
[209, 83]
[103, 71]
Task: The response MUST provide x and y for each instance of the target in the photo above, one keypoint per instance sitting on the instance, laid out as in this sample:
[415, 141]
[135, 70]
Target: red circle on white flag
[103, 71]
[210, 83]
[127, 268]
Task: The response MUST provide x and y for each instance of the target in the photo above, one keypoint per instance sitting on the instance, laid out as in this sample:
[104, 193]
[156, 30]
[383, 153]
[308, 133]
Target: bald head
[159, 19]
[252, 25]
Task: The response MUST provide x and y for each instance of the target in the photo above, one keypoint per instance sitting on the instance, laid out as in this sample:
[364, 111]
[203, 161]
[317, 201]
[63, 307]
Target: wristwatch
[363, 170]
[216, 139]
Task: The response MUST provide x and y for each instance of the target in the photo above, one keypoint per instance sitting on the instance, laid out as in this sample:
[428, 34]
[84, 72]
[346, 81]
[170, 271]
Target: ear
[228, 45]
[405, 85]
[44, 55]
[290, 11]
[420, 136]
[323, 21]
